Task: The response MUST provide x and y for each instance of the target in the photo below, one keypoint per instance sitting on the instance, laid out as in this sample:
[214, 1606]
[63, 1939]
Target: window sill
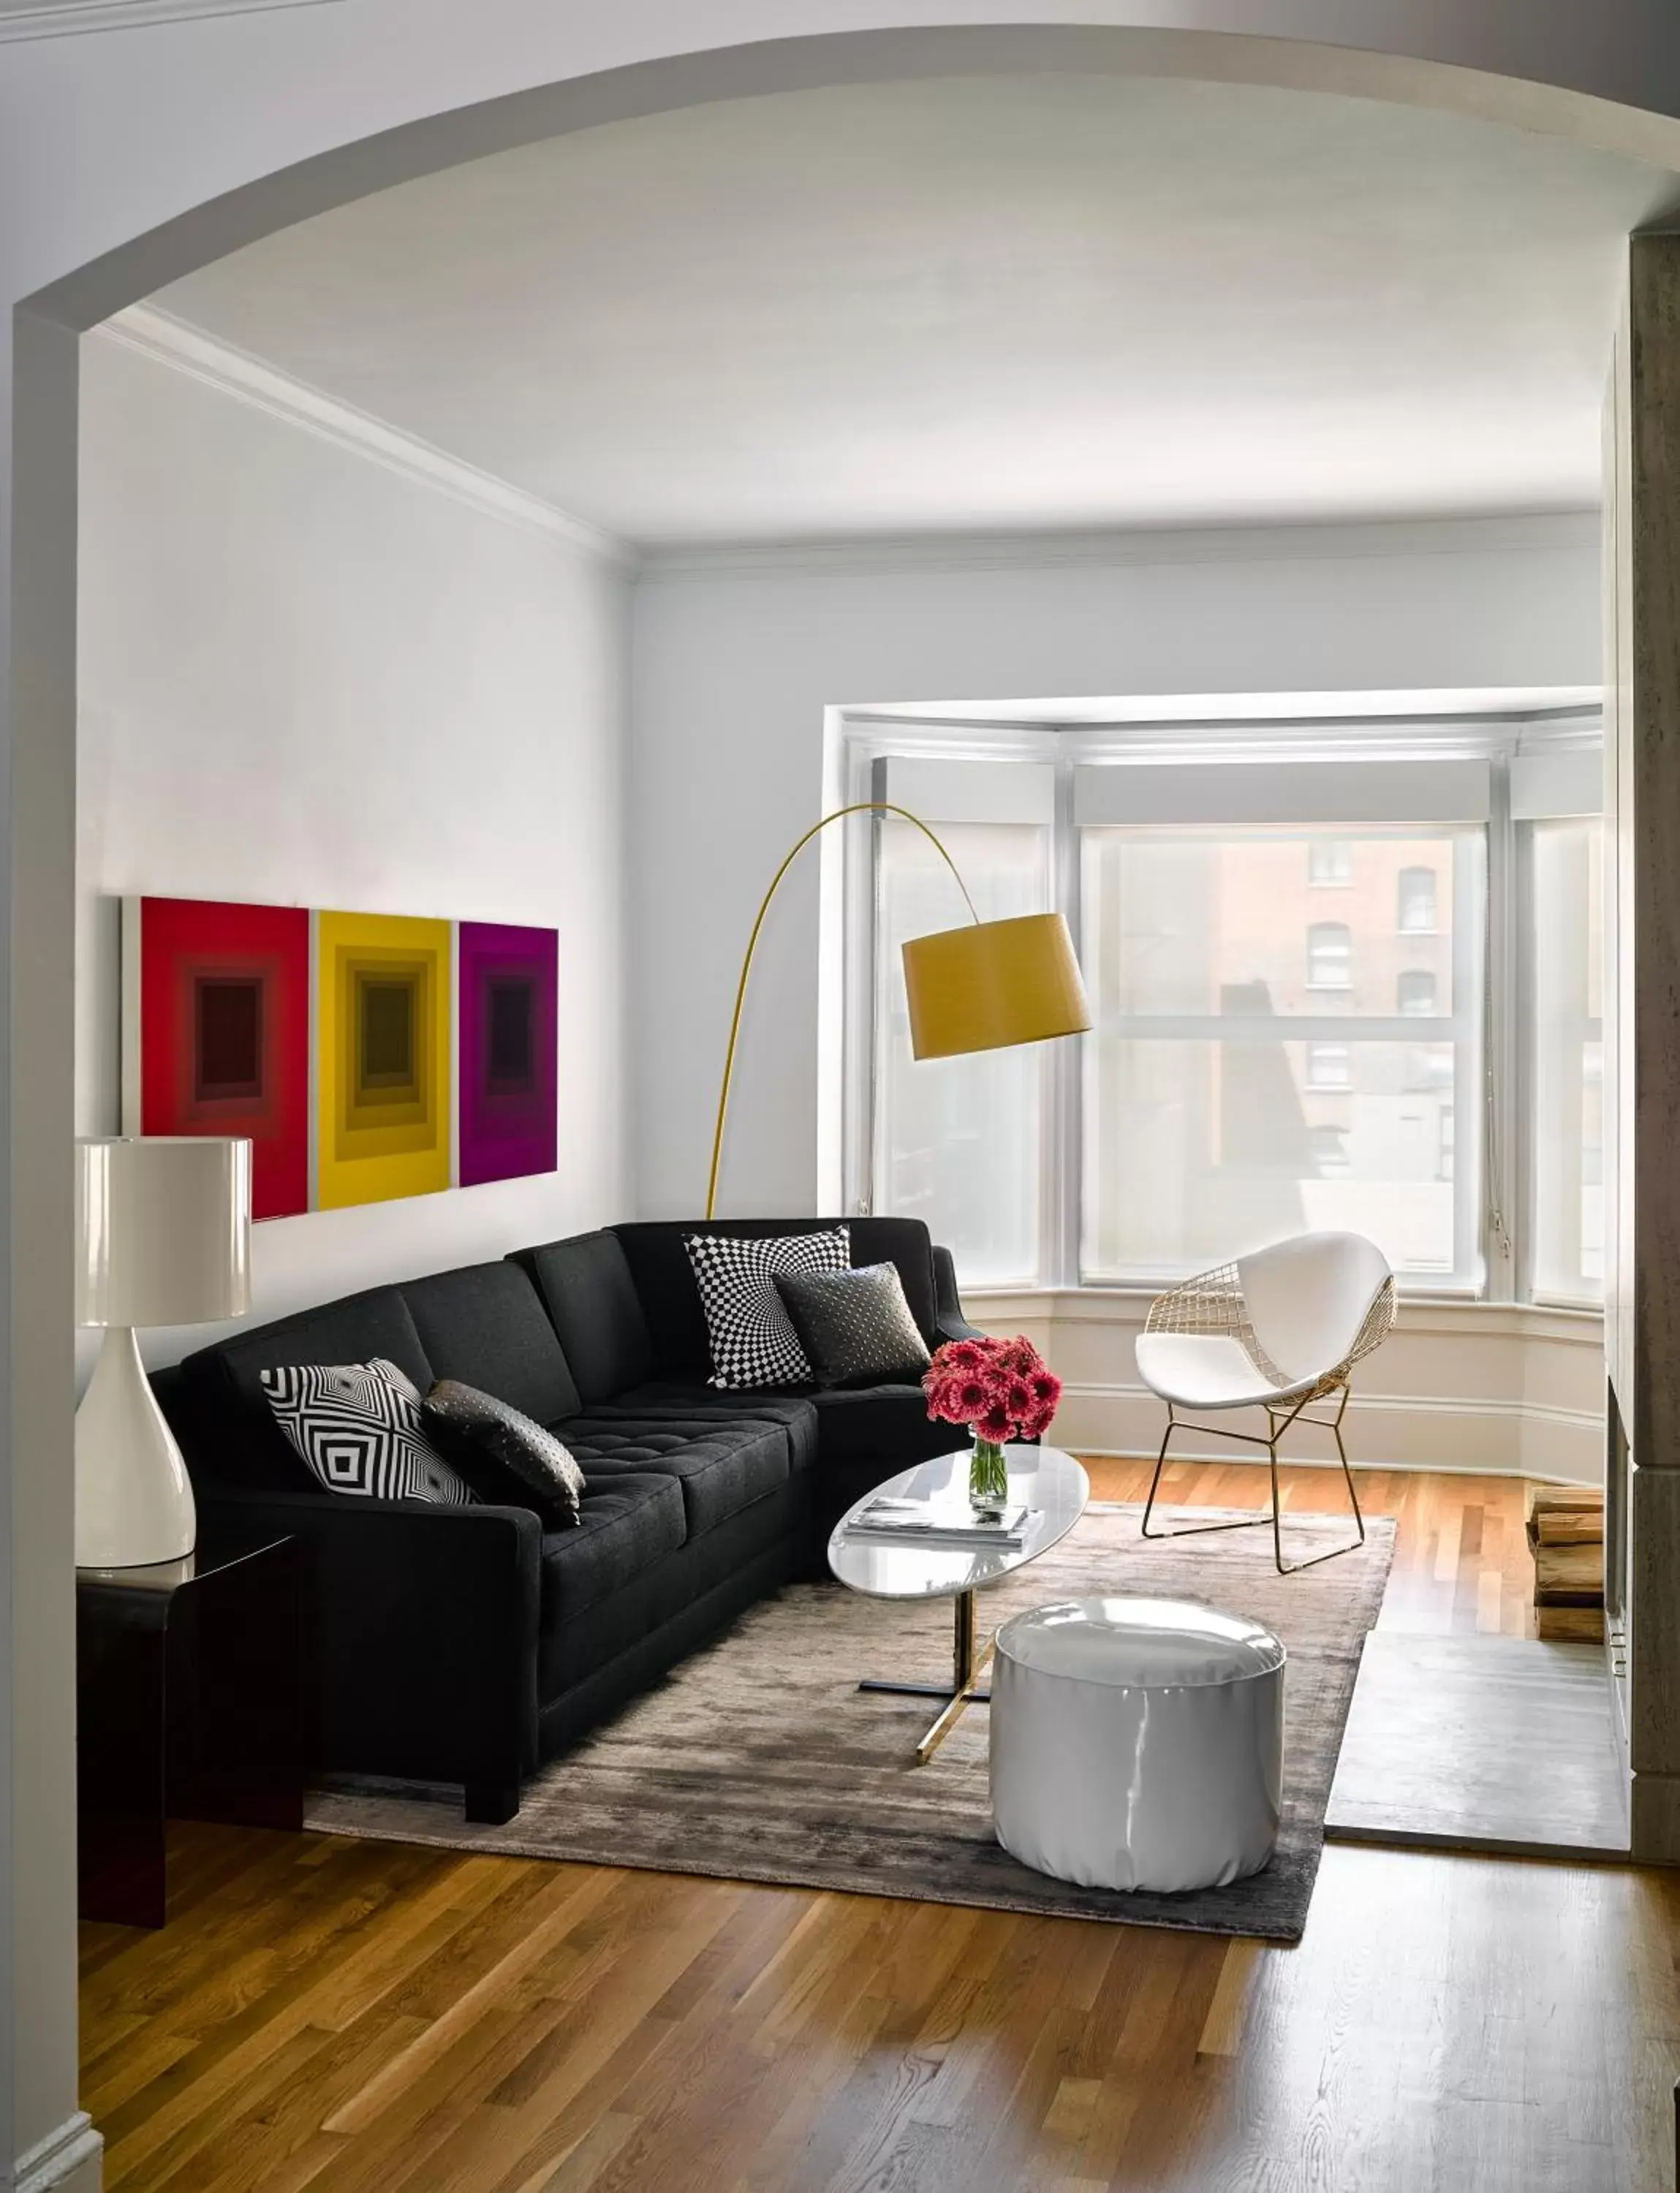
[1115, 1303]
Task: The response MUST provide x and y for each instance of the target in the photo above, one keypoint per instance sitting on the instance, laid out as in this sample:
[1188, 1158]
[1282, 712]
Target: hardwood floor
[1461, 1560]
[348, 2017]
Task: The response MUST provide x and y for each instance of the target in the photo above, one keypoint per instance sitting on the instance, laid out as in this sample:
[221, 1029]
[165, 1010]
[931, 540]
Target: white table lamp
[162, 1237]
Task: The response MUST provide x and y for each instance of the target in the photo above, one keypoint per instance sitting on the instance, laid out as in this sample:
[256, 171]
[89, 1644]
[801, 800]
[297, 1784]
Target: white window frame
[1548, 744]
[1552, 790]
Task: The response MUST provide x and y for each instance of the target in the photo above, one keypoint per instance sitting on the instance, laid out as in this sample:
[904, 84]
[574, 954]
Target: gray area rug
[760, 1760]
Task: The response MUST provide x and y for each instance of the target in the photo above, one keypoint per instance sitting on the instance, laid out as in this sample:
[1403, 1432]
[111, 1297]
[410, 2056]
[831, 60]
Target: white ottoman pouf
[1136, 1742]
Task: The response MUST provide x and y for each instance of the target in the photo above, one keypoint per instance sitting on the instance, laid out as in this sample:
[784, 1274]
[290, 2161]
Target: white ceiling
[1044, 303]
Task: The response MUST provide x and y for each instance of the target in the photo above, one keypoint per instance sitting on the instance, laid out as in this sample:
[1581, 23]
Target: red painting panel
[224, 1035]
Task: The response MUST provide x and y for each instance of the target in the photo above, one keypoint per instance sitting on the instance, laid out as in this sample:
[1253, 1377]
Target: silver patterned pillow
[508, 1458]
[856, 1326]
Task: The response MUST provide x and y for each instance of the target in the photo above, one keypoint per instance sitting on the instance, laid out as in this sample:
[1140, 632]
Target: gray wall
[737, 659]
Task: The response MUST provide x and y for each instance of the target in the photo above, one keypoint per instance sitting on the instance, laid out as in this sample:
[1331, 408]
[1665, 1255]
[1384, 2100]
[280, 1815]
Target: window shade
[1547, 786]
[1267, 793]
[973, 791]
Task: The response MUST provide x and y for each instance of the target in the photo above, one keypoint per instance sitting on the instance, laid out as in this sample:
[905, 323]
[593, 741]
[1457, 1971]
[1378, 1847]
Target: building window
[1415, 993]
[1329, 955]
[1416, 913]
[1329, 861]
[1329, 1066]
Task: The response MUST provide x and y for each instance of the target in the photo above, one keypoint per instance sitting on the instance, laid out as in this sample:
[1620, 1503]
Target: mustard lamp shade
[991, 984]
[981, 988]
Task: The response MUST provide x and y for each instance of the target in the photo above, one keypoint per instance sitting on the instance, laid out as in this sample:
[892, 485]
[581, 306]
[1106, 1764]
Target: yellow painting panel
[383, 1045]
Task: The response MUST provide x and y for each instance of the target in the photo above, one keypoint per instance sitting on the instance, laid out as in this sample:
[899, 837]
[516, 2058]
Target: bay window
[1336, 981]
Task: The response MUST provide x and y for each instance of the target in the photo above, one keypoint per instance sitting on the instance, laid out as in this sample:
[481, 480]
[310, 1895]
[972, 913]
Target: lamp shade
[992, 984]
[163, 1229]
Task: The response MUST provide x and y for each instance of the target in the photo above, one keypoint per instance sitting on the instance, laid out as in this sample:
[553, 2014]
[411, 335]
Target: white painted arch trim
[61, 18]
[172, 343]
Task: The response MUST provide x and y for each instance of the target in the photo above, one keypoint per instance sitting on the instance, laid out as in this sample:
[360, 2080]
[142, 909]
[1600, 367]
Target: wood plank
[1446, 2021]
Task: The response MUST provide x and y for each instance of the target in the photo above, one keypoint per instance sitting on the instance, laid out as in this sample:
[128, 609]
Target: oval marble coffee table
[1043, 1479]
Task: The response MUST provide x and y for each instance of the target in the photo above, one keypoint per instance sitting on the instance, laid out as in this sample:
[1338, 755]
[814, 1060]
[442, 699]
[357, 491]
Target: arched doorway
[47, 325]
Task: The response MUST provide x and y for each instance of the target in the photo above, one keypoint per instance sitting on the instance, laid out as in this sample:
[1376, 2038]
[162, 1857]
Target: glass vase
[987, 1481]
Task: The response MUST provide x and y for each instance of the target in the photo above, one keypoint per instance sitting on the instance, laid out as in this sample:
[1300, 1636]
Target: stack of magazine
[921, 1523]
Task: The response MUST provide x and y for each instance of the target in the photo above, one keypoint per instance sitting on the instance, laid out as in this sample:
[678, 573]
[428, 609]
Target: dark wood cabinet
[190, 1704]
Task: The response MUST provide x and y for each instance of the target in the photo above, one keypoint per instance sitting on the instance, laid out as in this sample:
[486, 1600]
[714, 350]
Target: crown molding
[64, 19]
[175, 343]
[1543, 532]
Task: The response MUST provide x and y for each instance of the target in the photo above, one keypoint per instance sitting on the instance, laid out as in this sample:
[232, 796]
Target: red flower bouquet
[1001, 1390]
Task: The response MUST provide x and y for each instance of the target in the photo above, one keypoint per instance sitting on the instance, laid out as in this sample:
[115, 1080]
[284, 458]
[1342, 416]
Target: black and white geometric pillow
[754, 1343]
[358, 1427]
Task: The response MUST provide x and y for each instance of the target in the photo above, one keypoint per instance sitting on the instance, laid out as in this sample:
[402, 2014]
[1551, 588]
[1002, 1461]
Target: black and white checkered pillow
[358, 1427]
[754, 1343]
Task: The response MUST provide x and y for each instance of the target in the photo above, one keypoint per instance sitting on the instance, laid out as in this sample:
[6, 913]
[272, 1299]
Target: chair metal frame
[1212, 1305]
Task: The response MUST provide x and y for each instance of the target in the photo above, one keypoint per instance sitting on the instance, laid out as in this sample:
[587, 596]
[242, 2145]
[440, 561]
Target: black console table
[189, 1704]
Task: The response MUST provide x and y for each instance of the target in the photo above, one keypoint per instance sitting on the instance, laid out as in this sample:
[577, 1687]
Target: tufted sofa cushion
[701, 1407]
[721, 1467]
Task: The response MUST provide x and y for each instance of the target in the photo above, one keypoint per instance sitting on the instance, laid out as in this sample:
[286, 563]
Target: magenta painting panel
[509, 1043]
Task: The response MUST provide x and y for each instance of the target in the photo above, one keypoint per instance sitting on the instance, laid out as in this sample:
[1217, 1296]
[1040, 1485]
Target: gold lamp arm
[857, 807]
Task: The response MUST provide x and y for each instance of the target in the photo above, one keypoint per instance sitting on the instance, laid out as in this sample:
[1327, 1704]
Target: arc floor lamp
[986, 986]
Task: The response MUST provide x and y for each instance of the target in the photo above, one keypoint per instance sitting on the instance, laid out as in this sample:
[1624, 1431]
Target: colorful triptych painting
[382, 1051]
[508, 1050]
[367, 1055]
[220, 1035]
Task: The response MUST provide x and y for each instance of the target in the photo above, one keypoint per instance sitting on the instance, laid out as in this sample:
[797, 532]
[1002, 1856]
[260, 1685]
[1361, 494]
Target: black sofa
[465, 1644]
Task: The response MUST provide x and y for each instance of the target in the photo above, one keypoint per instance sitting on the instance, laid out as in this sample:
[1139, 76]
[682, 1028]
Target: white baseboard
[68, 2159]
[1384, 1431]
[1311, 1462]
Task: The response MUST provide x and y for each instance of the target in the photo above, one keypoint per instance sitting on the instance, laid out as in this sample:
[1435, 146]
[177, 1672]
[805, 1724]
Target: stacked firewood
[1566, 1534]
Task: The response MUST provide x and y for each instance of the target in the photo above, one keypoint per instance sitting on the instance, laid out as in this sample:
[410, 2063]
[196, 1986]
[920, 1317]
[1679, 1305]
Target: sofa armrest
[951, 1323]
[420, 1630]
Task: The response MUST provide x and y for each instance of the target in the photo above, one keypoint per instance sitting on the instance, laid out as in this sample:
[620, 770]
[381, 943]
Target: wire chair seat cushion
[1209, 1372]
[1322, 1301]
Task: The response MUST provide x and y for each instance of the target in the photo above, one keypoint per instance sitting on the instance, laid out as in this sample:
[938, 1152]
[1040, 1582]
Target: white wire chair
[1279, 1330]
